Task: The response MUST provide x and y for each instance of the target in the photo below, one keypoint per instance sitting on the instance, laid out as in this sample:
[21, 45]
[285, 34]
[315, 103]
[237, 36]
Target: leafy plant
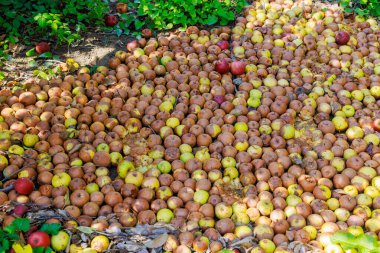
[166, 14]
[362, 7]
[60, 20]
[363, 243]
[10, 234]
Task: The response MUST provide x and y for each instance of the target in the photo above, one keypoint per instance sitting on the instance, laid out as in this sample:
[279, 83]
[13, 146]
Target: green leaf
[366, 242]
[10, 229]
[51, 229]
[5, 243]
[86, 230]
[31, 52]
[48, 250]
[346, 239]
[21, 224]
[2, 75]
[118, 32]
[138, 24]
[38, 250]
[46, 55]
[211, 20]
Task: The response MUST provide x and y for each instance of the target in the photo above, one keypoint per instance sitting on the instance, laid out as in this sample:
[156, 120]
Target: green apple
[3, 162]
[375, 91]
[293, 200]
[240, 218]
[165, 215]
[166, 106]
[231, 172]
[328, 155]
[70, 123]
[265, 207]
[5, 134]
[76, 162]
[156, 154]
[164, 167]
[150, 182]
[92, 187]
[138, 52]
[288, 131]
[355, 132]
[332, 203]
[172, 122]
[201, 196]
[202, 155]
[243, 231]
[60, 241]
[255, 93]
[351, 190]
[16, 149]
[124, 167]
[99, 243]
[102, 171]
[239, 207]
[179, 130]
[338, 163]
[213, 130]
[265, 129]
[241, 126]
[372, 191]
[214, 175]
[222, 210]
[357, 94]
[355, 230]
[116, 158]
[228, 162]
[186, 157]
[253, 102]
[348, 110]
[103, 147]
[267, 245]
[61, 179]
[250, 68]
[146, 89]
[185, 148]
[206, 222]
[165, 59]
[134, 177]
[340, 123]
[255, 151]
[349, 153]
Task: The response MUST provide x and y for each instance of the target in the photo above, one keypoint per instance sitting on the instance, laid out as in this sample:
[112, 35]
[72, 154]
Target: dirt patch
[95, 48]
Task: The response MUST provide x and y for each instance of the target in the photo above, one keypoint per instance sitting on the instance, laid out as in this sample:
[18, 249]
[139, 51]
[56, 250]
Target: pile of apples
[269, 129]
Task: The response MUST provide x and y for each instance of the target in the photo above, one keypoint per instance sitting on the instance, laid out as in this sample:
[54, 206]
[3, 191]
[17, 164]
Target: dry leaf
[158, 242]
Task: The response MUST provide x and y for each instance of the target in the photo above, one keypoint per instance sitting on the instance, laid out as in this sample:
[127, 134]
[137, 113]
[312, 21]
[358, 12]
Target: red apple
[219, 99]
[23, 186]
[342, 38]
[42, 47]
[20, 210]
[237, 68]
[111, 20]
[222, 66]
[376, 125]
[39, 239]
[223, 44]
[132, 45]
